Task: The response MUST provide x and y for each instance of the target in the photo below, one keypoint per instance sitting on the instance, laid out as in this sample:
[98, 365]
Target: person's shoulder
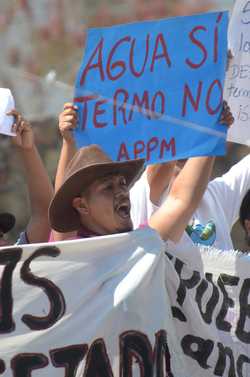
[242, 165]
[237, 171]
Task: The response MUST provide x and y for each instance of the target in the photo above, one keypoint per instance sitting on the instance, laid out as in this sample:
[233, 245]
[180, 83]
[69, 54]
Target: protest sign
[76, 308]
[154, 89]
[6, 104]
[119, 306]
[237, 86]
[212, 298]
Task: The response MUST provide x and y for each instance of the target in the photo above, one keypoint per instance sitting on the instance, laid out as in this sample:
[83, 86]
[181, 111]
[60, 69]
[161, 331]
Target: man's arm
[67, 123]
[171, 219]
[159, 177]
[40, 189]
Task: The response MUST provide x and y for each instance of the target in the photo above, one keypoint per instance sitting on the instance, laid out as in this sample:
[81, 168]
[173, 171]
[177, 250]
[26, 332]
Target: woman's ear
[80, 205]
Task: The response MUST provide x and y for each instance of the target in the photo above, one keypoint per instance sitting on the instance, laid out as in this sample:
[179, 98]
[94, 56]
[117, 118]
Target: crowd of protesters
[208, 220]
[175, 198]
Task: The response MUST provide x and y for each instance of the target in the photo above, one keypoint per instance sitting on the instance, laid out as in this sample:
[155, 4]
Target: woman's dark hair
[245, 209]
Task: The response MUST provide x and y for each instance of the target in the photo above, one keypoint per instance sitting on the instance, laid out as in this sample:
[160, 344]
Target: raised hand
[24, 135]
[226, 115]
[68, 121]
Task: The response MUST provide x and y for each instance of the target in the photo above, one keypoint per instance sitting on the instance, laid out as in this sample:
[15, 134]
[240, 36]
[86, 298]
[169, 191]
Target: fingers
[19, 124]
[20, 127]
[16, 115]
[230, 54]
[226, 115]
[69, 111]
[68, 118]
[69, 114]
[69, 105]
[225, 110]
[228, 120]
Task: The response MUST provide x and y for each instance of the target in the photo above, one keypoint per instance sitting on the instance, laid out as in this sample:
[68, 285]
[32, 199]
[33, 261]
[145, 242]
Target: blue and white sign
[154, 89]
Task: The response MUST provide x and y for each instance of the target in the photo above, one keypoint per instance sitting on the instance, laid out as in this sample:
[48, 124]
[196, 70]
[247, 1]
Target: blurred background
[41, 45]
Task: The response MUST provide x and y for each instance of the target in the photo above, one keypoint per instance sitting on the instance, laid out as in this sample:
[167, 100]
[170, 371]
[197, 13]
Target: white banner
[119, 306]
[237, 85]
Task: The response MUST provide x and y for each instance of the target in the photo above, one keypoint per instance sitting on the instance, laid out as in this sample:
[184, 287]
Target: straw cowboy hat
[88, 164]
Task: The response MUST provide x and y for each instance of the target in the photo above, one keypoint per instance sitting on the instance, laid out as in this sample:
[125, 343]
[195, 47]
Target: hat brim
[7, 222]
[62, 216]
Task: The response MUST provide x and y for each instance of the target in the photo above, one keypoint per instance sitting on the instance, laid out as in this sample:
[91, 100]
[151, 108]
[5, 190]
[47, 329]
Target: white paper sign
[118, 306]
[237, 85]
[6, 104]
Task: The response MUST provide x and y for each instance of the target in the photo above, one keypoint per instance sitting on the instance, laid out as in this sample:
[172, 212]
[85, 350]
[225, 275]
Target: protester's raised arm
[40, 189]
[67, 123]
[171, 219]
[159, 177]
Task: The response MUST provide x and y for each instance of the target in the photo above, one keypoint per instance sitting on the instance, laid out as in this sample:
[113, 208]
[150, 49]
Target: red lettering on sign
[168, 147]
[151, 146]
[139, 148]
[210, 110]
[117, 64]
[199, 44]
[160, 42]
[194, 101]
[216, 37]
[123, 153]
[132, 55]
[121, 105]
[90, 65]
[161, 96]
[142, 105]
[98, 111]
[142, 148]
[84, 100]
